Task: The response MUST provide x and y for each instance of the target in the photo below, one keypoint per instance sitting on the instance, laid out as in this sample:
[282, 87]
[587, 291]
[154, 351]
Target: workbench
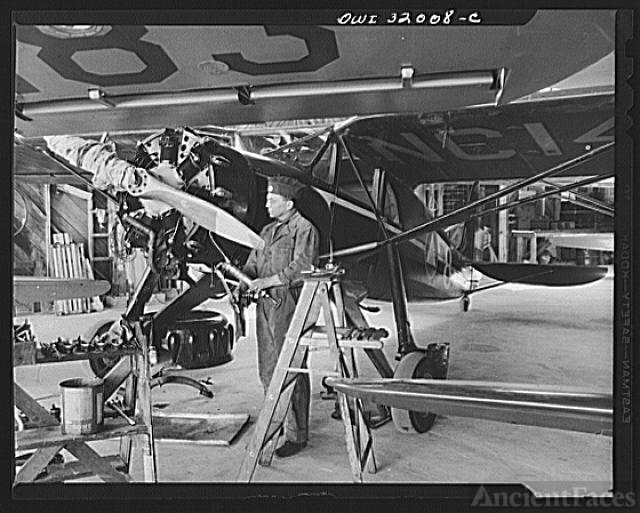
[42, 432]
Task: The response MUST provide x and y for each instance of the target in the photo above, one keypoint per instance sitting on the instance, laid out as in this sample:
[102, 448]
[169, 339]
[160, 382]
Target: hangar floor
[524, 334]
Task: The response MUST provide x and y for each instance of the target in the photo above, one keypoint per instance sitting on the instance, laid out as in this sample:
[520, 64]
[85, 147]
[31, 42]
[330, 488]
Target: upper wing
[489, 143]
[194, 75]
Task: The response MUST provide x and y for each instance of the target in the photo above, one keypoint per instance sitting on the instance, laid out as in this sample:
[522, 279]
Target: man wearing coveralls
[291, 246]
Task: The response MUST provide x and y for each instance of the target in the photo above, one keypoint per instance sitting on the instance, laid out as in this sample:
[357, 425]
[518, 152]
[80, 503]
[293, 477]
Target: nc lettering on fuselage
[424, 151]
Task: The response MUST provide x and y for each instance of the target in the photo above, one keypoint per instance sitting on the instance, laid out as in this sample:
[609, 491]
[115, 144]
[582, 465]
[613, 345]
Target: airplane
[362, 173]
[409, 129]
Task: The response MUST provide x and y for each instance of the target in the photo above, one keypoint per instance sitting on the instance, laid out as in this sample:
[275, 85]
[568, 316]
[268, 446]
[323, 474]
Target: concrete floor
[523, 334]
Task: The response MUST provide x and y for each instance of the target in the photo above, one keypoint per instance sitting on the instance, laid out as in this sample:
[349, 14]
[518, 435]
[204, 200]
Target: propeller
[207, 215]
[144, 185]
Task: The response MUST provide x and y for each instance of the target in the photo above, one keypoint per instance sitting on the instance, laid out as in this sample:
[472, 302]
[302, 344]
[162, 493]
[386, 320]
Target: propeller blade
[207, 215]
[92, 156]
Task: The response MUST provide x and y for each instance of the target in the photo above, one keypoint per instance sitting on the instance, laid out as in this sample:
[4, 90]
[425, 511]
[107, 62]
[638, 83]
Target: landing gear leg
[432, 363]
[465, 303]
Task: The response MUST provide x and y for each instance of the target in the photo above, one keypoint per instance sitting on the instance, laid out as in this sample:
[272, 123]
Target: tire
[413, 365]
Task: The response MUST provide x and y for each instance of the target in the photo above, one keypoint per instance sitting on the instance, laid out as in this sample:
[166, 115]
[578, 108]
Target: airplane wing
[516, 144]
[489, 143]
[31, 289]
[122, 76]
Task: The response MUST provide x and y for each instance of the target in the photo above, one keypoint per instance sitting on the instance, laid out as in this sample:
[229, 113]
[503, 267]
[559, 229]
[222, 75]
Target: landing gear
[465, 303]
[430, 364]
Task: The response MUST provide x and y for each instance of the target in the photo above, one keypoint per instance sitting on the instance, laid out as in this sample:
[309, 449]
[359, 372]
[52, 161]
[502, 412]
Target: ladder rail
[276, 402]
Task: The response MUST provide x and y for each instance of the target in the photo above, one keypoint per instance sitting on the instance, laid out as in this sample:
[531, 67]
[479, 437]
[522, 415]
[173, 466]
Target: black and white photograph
[311, 248]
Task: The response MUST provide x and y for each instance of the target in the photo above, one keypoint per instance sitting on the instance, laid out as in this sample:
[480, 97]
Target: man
[482, 244]
[291, 246]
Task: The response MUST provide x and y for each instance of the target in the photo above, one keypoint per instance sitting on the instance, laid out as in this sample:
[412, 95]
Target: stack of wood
[68, 261]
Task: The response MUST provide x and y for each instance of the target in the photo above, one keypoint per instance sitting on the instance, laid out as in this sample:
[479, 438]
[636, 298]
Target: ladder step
[324, 372]
[346, 343]
[299, 370]
[349, 333]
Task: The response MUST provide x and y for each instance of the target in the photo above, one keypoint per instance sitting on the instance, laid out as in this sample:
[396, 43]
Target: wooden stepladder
[321, 291]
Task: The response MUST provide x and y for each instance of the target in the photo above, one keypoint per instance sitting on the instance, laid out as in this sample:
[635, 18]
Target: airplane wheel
[413, 365]
[102, 365]
[465, 303]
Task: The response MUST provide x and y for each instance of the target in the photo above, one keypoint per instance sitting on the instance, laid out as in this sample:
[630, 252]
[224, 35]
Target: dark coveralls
[290, 247]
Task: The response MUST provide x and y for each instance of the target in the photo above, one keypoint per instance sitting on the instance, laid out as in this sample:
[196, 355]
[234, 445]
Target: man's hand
[260, 284]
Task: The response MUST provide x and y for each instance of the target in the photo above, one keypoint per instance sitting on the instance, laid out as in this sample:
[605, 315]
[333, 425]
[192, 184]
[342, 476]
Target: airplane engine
[203, 168]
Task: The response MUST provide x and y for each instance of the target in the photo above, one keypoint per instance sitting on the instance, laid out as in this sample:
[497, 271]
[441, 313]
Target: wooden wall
[69, 215]
[30, 244]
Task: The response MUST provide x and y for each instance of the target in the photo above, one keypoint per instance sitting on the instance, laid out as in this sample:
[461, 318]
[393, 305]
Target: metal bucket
[82, 405]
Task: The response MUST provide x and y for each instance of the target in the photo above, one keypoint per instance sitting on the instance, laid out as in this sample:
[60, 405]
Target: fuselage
[348, 207]
[343, 211]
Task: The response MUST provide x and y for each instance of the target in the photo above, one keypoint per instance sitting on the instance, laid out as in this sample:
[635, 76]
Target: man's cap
[285, 186]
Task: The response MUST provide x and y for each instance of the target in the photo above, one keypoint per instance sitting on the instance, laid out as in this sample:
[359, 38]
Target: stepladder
[321, 293]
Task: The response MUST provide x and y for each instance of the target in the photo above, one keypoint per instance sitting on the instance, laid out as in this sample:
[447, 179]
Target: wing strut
[542, 195]
[586, 201]
[462, 213]
[406, 342]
